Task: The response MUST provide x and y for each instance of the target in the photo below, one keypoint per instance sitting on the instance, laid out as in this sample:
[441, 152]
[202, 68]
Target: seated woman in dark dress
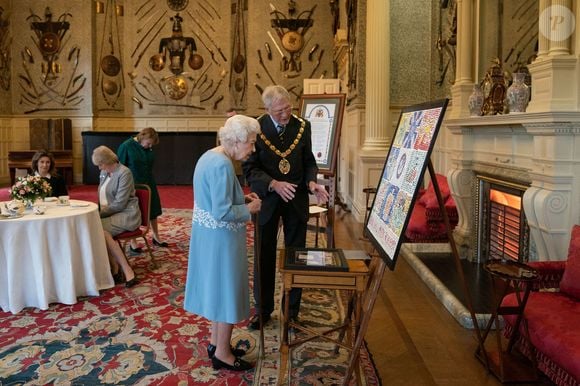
[43, 165]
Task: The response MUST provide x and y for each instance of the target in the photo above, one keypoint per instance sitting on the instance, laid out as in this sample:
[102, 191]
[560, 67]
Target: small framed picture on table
[318, 259]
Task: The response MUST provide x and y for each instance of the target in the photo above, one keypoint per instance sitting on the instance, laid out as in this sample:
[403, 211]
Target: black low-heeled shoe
[237, 352]
[239, 364]
[136, 250]
[160, 243]
[131, 283]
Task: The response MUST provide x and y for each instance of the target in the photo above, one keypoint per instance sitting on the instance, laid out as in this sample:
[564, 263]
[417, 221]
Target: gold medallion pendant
[284, 166]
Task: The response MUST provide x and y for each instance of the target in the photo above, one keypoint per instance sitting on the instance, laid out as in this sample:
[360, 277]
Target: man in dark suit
[282, 172]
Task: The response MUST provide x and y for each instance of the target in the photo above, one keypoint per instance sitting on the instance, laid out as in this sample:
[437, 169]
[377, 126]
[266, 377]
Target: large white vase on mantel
[518, 94]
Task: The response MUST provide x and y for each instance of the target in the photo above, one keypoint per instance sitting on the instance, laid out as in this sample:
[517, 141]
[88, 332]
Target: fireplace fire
[502, 230]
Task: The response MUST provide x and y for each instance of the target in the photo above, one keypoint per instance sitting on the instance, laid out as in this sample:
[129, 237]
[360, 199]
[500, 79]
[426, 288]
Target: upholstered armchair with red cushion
[426, 222]
[553, 316]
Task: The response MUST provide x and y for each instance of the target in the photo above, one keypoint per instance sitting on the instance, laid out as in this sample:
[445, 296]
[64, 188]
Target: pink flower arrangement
[30, 188]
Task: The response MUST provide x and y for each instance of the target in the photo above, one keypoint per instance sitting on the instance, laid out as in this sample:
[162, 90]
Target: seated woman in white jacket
[118, 208]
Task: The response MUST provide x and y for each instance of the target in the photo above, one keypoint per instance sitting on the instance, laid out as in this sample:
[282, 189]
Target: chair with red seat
[143, 193]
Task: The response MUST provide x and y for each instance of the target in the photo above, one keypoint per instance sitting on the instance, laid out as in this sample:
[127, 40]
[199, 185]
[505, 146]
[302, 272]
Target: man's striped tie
[281, 129]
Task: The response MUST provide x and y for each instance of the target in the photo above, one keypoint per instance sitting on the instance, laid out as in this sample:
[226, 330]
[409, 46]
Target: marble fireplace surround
[541, 150]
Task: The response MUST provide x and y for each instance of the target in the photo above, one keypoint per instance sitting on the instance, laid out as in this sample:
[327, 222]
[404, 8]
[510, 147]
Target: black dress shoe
[136, 250]
[255, 321]
[238, 352]
[293, 313]
[160, 243]
[239, 364]
[131, 283]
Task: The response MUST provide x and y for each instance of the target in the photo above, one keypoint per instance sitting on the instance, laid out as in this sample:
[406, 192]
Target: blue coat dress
[217, 273]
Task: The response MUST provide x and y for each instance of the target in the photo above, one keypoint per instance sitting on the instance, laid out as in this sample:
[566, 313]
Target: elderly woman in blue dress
[118, 208]
[217, 275]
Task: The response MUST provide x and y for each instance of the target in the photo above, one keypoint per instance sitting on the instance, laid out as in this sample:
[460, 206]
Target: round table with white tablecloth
[53, 257]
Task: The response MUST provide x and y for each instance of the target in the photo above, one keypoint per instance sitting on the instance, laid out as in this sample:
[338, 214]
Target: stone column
[560, 23]
[544, 24]
[465, 70]
[465, 24]
[377, 120]
[555, 72]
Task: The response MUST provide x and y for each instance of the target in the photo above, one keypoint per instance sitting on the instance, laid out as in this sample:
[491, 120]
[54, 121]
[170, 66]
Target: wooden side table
[508, 275]
[354, 280]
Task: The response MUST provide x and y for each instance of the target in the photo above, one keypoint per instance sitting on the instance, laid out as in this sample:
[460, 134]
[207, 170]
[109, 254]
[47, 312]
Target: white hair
[274, 93]
[237, 129]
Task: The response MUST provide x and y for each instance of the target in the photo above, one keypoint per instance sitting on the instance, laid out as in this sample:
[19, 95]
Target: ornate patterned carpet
[142, 335]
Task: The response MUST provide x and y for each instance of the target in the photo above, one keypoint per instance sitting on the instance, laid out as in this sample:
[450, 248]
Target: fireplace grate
[504, 232]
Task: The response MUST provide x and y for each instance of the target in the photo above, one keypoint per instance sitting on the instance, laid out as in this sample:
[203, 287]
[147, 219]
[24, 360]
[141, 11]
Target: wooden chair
[143, 193]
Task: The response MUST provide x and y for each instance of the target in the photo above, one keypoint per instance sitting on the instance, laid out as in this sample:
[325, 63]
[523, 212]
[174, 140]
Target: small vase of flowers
[29, 189]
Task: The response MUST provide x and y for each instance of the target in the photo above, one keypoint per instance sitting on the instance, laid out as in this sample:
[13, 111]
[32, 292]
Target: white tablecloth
[53, 257]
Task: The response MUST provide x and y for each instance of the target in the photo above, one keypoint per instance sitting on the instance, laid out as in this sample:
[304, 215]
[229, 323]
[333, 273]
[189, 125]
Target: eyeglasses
[286, 110]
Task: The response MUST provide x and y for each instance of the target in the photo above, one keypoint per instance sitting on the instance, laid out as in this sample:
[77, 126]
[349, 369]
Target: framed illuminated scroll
[324, 111]
[402, 173]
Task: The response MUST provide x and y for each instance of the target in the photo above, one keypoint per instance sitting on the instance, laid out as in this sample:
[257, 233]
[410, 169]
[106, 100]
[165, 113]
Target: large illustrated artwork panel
[402, 173]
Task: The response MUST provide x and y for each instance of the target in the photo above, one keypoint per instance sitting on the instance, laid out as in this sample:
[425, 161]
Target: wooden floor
[412, 337]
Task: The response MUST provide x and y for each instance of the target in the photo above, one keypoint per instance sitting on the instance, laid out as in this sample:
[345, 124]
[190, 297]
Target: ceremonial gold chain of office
[284, 165]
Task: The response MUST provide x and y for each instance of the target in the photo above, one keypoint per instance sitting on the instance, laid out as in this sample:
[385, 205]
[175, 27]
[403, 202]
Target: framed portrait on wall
[324, 111]
[403, 171]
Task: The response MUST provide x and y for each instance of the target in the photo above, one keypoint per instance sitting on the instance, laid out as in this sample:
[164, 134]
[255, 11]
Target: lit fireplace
[538, 150]
[502, 230]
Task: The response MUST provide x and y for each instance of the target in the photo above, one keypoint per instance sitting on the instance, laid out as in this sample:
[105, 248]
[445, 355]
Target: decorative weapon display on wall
[447, 41]
[49, 40]
[288, 37]
[291, 32]
[110, 79]
[521, 33]
[5, 57]
[58, 85]
[238, 82]
[177, 5]
[186, 57]
[176, 46]
[351, 36]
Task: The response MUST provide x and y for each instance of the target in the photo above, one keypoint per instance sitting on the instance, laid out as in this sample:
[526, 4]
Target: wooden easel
[377, 277]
